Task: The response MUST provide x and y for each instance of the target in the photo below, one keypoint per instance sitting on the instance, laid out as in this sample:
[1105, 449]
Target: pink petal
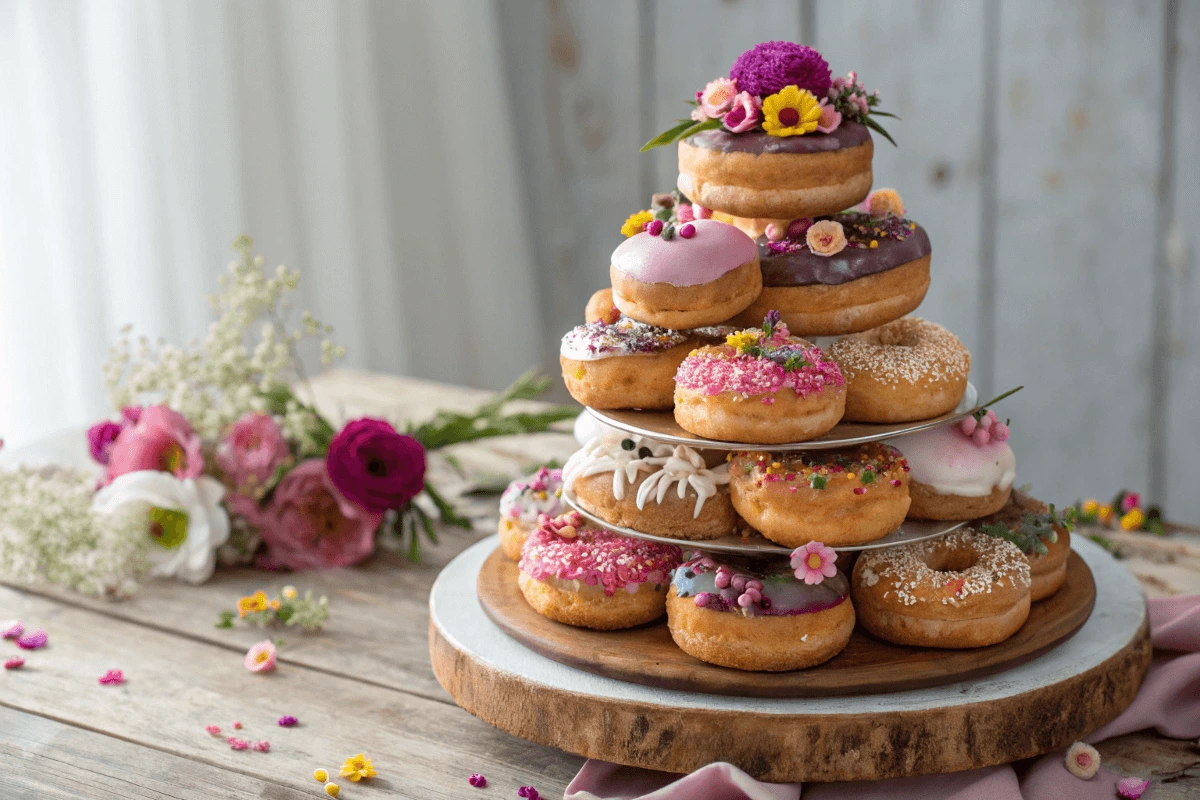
[11, 629]
[33, 639]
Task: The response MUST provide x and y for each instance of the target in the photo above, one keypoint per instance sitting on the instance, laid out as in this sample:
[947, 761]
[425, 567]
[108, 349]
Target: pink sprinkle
[237, 744]
[981, 436]
[999, 431]
[11, 629]
[212, 730]
[860, 490]
[477, 780]
[597, 558]
[287, 721]
[1131, 788]
[968, 425]
[113, 677]
[687, 231]
[702, 599]
[237, 726]
[895, 481]
[750, 376]
[33, 640]
[655, 227]
[14, 663]
[262, 747]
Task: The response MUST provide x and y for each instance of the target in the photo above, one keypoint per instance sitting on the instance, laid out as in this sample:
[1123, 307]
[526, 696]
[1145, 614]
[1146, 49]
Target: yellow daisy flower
[791, 112]
[255, 602]
[1091, 507]
[1133, 520]
[358, 767]
[742, 339]
[634, 224]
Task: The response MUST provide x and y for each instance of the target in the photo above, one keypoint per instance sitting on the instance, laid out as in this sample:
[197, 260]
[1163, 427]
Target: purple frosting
[805, 268]
[848, 134]
[768, 67]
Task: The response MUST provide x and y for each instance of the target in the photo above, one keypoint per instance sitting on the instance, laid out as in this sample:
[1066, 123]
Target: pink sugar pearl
[999, 432]
[968, 425]
[687, 231]
[981, 436]
[775, 233]
[990, 418]
[655, 227]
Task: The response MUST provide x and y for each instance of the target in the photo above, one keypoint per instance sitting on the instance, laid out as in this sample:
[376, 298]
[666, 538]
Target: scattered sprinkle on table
[477, 780]
[114, 677]
[33, 639]
[14, 663]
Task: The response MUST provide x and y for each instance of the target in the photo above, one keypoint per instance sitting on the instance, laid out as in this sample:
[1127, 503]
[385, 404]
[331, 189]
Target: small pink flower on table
[718, 96]
[114, 677]
[826, 238]
[161, 440]
[743, 116]
[261, 657]
[814, 562]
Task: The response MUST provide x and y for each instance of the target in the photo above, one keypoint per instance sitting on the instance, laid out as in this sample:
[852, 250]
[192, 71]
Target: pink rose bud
[701, 212]
[798, 227]
[687, 231]
[968, 425]
[981, 436]
[685, 213]
[655, 227]
[999, 432]
[774, 232]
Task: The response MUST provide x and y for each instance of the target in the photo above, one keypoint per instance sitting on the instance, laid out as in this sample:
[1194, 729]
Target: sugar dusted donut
[756, 618]
[652, 487]
[762, 386]
[700, 273]
[1041, 533]
[877, 271]
[840, 497]
[959, 475]
[964, 589]
[907, 370]
[626, 364]
[592, 578]
[523, 502]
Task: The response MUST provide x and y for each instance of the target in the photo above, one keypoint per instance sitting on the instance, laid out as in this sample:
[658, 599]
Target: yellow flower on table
[255, 602]
[1132, 521]
[635, 222]
[1106, 513]
[358, 767]
[791, 112]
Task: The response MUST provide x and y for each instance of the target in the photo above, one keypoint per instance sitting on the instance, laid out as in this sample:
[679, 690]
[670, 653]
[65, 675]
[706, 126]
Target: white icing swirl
[667, 466]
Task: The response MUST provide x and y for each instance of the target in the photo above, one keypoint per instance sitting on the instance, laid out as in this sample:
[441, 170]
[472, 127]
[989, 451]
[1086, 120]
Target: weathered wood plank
[48, 760]
[175, 686]
[900, 49]
[1181, 251]
[1073, 267]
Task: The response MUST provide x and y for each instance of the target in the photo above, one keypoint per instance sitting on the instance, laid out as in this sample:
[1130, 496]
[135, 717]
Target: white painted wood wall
[1049, 147]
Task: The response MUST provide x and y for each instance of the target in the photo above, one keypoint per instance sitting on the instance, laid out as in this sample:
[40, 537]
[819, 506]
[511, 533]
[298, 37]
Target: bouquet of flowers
[212, 455]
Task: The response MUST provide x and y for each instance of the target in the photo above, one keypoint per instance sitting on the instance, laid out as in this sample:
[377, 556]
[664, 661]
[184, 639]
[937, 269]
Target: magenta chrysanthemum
[768, 67]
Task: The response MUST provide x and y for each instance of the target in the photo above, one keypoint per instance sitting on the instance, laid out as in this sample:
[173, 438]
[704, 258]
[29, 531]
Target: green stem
[994, 400]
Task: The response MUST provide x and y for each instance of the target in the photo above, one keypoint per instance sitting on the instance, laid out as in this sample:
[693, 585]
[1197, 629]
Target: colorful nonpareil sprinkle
[477, 780]
[14, 663]
[287, 721]
[32, 640]
[114, 677]
[261, 657]
[358, 767]
[11, 629]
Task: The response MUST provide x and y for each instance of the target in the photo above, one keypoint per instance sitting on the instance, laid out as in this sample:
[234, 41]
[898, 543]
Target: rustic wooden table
[362, 685]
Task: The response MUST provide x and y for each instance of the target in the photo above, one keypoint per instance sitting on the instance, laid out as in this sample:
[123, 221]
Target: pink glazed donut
[592, 578]
[700, 273]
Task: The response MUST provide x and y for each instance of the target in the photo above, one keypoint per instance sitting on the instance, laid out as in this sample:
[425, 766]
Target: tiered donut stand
[875, 710]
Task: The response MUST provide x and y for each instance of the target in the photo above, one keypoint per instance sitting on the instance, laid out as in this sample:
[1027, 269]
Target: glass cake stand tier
[758, 545]
[661, 426]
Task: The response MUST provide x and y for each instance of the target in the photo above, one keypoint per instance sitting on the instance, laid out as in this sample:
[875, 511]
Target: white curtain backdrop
[354, 140]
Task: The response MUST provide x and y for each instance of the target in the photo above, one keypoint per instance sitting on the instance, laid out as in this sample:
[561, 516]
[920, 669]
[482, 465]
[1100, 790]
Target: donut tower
[774, 450]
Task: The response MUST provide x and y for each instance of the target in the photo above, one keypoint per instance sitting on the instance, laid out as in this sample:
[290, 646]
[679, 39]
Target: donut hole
[957, 560]
[897, 336]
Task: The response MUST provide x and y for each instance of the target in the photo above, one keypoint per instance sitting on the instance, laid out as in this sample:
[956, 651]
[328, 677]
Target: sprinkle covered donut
[1041, 533]
[753, 618]
[624, 364]
[964, 589]
[523, 502]
[840, 497]
[592, 578]
[904, 371]
[662, 489]
[964, 470]
[699, 273]
[761, 386]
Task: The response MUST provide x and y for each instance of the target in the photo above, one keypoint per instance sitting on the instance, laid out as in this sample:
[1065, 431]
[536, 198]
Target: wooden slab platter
[661, 426]
[1028, 709]
[647, 655]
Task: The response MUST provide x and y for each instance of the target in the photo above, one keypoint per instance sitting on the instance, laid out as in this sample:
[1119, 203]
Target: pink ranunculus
[717, 98]
[375, 467]
[309, 524]
[251, 452]
[101, 437]
[830, 119]
[814, 562]
[1131, 501]
[161, 440]
[745, 114]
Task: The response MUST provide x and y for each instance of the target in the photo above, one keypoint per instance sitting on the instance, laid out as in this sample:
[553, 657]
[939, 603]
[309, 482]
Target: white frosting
[532, 496]
[950, 462]
[668, 466]
[625, 337]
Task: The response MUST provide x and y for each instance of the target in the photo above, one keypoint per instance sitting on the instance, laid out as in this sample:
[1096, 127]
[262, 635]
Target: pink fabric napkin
[1169, 702]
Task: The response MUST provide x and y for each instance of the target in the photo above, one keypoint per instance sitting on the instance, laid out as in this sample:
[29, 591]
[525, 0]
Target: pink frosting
[598, 557]
[715, 373]
[952, 463]
[717, 248]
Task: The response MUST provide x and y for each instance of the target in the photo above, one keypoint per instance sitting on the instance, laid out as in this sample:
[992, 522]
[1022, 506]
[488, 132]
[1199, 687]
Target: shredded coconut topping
[625, 337]
[907, 351]
[906, 568]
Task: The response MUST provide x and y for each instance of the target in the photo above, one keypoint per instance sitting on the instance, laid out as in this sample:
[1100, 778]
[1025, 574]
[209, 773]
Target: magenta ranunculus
[768, 67]
[309, 525]
[251, 452]
[161, 440]
[101, 437]
[374, 466]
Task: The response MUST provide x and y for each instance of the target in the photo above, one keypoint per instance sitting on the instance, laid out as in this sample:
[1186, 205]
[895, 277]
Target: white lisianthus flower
[184, 518]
